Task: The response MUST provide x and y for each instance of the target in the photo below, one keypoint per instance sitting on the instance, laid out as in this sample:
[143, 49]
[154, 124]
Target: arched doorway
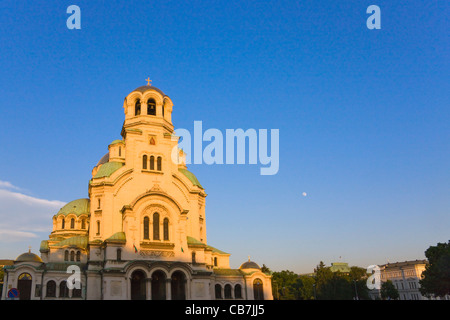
[138, 285]
[158, 285]
[24, 286]
[258, 292]
[178, 286]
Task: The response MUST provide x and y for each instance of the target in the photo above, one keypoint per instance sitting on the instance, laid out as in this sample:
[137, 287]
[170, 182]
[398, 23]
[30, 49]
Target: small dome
[28, 257]
[249, 265]
[77, 207]
[148, 88]
[104, 159]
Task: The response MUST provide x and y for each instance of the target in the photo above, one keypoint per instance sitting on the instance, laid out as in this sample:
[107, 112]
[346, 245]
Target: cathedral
[141, 233]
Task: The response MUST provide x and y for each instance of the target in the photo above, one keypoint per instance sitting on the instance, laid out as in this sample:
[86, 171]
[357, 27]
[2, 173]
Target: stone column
[148, 288]
[168, 289]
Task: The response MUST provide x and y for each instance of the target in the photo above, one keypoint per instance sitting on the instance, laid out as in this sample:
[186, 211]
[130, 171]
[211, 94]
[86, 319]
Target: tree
[305, 287]
[322, 276]
[284, 283]
[388, 291]
[265, 269]
[436, 277]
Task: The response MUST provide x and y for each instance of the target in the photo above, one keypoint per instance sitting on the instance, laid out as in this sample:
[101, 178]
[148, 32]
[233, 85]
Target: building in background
[405, 276]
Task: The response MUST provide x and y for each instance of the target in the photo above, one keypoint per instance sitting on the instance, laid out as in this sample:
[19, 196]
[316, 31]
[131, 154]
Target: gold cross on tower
[148, 81]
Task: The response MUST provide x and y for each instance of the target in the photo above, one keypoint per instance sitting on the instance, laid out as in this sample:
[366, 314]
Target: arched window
[215, 261]
[238, 291]
[146, 228]
[218, 291]
[98, 227]
[144, 162]
[193, 257]
[72, 256]
[151, 107]
[66, 255]
[78, 256]
[152, 163]
[63, 289]
[51, 289]
[166, 228]
[120, 151]
[99, 202]
[158, 163]
[63, 222]
[83, 224]
[156, 226]
[119, 254]
[72, 223]
[228, 291]
[137, 107]
[163, 111]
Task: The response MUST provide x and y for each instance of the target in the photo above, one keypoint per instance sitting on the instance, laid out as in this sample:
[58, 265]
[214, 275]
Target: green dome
[108, 169]
[77, 241]
[77, 207]
[28, 257]
[116, 141]
[191, 177]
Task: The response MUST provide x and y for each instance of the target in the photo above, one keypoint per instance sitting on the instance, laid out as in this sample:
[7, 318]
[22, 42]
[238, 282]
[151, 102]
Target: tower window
[63, 222]
[120, 151]
[72, 223]
[166, 228]
[152, 163]
[72, 256]
[83, 224]
[156, 226]
[146, 228]
[98, 227]
[151, 107]
[137, 107]
[144, 162]
[66, 255]
[78, 256]
[158, 163]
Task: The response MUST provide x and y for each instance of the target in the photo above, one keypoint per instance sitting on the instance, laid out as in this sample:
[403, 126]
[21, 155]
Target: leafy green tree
[388, 291]
[436, 277]
[322, 275]
[284, 285]
[305, 287]
[358, 277]
[265, 269]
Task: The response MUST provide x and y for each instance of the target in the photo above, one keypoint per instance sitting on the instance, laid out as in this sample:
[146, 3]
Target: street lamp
[356, 291]
[314, 287]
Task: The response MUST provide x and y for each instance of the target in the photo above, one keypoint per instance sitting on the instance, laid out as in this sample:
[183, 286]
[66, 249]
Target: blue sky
[363, 117]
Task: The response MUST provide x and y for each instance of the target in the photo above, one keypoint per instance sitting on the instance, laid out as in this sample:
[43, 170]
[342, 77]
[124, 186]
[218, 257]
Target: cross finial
[148, 81]
[29, 249]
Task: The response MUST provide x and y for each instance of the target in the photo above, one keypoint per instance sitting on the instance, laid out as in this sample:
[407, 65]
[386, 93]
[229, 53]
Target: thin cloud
[31, 200]
[15, 235]
[8, 185]
[23, 217]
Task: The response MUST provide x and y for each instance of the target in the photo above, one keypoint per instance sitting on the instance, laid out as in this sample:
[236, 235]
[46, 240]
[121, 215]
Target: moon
[304, 194]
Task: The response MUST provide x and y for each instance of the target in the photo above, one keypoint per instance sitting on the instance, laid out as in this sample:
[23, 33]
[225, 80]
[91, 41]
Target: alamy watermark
[234, 143]
[74, 280]
[374, 280]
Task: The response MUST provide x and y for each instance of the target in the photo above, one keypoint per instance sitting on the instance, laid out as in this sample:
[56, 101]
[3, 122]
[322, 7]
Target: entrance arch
[158, 285]
[258, 293]
[178, 286]
[138, 285]
[24, 286]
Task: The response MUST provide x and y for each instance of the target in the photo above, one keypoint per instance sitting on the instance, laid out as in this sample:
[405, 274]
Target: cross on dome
[148, 81]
